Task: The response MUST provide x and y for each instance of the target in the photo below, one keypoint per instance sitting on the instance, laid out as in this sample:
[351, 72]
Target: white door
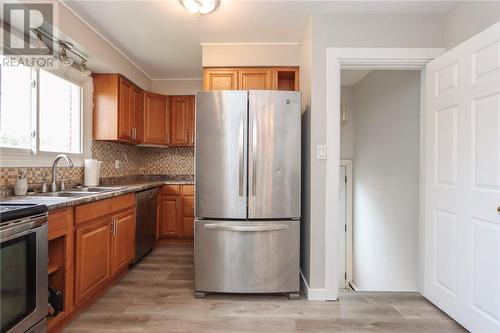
[462, 251]
[342, 228]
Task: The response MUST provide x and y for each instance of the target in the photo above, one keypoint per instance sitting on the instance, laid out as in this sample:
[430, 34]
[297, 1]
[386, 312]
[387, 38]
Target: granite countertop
[126, 186]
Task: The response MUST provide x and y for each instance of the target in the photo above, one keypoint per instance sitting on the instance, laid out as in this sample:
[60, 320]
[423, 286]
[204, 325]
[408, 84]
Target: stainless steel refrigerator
[247, 192]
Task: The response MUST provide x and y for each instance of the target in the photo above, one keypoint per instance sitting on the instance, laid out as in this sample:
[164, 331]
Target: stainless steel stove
[23, 267]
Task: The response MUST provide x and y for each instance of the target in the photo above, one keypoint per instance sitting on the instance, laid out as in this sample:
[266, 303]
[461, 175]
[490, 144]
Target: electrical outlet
[118, 164]
[321, 152]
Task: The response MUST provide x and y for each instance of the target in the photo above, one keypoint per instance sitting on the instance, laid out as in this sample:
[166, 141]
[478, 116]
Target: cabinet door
[179, 110]
[169, 216]
[137, 115]
[191, 122]
[125, 106]
[156, 120]
[187, 216]
[220, 79]
[123, 240]
[255, 78]
[92, 258]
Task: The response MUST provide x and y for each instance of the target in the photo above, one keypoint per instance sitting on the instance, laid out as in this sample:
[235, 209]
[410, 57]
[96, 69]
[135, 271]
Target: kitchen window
[41, 114]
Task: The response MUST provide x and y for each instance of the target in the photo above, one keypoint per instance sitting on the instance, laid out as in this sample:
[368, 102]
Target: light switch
[321, 152]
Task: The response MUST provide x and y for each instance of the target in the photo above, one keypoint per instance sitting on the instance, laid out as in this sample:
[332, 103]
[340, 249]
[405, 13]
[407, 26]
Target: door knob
[498, 209]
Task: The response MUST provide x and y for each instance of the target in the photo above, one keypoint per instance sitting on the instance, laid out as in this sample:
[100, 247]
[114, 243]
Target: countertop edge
[128, 188]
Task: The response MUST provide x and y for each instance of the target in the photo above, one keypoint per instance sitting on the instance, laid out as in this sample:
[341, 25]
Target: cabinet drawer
[171, 189]
[94, 210]
[187, 189]
[58, 219]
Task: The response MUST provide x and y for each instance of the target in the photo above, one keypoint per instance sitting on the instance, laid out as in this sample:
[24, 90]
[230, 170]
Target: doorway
[379, 134]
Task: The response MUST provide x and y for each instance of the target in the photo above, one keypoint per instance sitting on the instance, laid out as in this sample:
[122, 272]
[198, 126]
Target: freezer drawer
[247, 257]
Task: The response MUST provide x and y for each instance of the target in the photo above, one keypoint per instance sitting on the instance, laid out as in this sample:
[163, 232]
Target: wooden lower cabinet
[122, 240]
[169, 215]
[92, 258]
[176, 218]
[105, 243]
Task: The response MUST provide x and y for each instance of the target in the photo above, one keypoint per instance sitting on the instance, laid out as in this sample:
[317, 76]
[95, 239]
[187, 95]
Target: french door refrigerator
[247, 225]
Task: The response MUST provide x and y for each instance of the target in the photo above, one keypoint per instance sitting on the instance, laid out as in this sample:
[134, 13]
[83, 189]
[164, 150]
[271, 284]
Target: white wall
[349, 31]
[176, 87]
[305, 87]
[226, 55]
[102, 56]
[386, 181]
[347, 130]
[468, 19]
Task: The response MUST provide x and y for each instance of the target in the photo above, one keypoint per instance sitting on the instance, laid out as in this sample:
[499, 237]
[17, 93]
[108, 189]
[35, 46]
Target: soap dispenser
[21, 186]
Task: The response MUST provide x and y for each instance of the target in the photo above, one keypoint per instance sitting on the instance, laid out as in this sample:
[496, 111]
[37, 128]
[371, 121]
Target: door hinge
[345, 276]
[33, 83]
[345, 225]
[345, 179]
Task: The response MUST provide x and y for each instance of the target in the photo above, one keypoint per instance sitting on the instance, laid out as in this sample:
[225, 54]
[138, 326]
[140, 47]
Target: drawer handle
[272, 227]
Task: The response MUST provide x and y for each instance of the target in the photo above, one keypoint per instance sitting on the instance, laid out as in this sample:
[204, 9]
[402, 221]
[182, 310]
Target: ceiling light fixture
[64, 47]
[200, 7]
[41, 47]
[83, 68]
[63, 56]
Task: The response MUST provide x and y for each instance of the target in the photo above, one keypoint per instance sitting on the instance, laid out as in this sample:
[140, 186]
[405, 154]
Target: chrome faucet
[53, 184]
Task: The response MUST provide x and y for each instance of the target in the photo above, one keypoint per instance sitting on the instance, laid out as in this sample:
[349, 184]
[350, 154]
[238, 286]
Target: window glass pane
[15, 106]
[60, 114]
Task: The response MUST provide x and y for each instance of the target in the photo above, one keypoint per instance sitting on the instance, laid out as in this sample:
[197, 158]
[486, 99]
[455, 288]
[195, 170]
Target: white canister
[92, 172]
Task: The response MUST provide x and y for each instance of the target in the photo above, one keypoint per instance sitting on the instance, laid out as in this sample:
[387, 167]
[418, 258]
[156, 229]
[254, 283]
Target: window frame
[34, 157]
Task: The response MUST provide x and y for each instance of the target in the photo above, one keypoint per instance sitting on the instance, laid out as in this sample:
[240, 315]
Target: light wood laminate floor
[156, 296]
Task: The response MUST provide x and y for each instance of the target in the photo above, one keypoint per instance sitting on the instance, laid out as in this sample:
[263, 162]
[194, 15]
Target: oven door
[23, 278]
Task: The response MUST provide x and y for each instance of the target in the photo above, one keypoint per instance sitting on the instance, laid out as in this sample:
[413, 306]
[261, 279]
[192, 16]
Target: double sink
[76, 192]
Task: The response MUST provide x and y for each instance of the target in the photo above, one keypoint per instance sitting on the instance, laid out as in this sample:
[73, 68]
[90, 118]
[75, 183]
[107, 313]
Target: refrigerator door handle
[241, 157]
[246, 228]
[254, 153]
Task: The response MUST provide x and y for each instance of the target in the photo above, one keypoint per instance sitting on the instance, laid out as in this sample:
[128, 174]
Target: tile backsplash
[133, 160]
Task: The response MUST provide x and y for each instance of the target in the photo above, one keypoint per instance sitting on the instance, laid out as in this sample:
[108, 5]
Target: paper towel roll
[92, 172]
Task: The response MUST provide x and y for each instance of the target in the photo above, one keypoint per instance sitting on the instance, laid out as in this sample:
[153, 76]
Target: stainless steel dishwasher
[145, 228]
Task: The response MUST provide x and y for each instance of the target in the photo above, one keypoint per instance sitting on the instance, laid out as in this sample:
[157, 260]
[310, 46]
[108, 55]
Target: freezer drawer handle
[272, 227]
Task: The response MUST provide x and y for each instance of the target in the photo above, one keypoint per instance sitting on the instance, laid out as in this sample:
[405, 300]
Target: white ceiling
[350, 77]
[163, 39]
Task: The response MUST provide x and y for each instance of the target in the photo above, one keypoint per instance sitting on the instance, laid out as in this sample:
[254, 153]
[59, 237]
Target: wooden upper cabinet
[138, 114]
[125, 110]
[220, 79]
[255, 79]
[156, 120]
[191, 121]
[286, 78]
[116, 108]
[181, 109]
[251, 78]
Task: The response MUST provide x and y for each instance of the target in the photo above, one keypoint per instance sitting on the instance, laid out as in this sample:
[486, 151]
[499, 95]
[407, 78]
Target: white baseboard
[313, 294]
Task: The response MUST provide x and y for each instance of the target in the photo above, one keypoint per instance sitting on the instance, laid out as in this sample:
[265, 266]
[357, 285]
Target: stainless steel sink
[96, 189]
[64, 194]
